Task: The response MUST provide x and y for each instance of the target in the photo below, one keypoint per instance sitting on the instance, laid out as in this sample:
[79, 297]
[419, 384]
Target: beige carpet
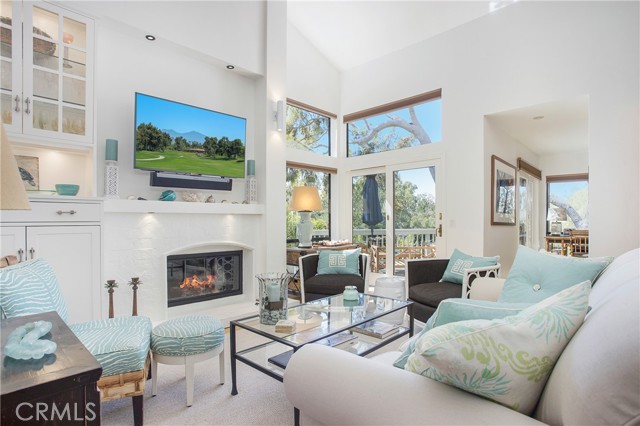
[260, 399]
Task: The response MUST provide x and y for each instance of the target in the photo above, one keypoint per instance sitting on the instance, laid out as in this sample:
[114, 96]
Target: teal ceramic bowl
[67, 189]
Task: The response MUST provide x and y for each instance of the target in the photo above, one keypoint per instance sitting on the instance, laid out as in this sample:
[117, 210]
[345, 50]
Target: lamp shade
[13, 196]
[305, 199]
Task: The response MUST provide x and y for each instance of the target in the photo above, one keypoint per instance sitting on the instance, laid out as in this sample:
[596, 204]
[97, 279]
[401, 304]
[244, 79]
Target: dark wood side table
[58, 389]
[293, 255]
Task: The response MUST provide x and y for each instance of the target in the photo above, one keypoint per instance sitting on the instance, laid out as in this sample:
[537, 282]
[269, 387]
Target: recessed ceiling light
[230, 67]
[538, 117]
[150, 37]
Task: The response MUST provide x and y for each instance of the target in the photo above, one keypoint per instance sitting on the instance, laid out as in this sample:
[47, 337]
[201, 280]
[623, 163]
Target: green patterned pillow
[506, 360]
[460, 261]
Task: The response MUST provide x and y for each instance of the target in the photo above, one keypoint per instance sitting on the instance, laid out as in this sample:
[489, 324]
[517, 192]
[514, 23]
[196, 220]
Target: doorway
[397, 204]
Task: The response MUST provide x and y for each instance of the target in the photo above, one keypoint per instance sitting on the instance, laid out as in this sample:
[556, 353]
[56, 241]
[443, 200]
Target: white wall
[526, 54]
[311, 78]
[127, 63]
[225, 32]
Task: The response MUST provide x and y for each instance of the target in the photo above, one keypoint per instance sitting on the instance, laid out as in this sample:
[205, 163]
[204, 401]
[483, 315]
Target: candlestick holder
[134, 283]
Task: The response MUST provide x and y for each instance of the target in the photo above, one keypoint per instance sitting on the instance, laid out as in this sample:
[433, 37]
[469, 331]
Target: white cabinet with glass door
[47, 72]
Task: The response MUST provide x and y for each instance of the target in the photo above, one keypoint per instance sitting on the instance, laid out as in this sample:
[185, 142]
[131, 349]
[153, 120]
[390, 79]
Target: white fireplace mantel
[152, 206]
[139, 234]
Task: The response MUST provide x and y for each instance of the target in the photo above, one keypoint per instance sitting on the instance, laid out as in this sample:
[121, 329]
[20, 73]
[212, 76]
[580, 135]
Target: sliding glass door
[396, 214]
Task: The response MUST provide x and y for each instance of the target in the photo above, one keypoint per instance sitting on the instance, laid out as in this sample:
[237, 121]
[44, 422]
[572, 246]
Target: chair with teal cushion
[187, 341]
[121, 345]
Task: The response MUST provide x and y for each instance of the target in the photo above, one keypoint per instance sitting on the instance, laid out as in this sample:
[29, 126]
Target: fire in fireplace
[198, 277]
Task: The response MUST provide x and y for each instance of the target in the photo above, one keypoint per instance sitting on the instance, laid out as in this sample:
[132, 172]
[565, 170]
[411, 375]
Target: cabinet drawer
[55, 212]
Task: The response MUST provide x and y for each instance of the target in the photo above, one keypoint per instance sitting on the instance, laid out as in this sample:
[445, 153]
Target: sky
[429, 115]
[183, 118]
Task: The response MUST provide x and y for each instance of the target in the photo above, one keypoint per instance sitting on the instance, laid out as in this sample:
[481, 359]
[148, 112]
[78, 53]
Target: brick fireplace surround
[137, 243]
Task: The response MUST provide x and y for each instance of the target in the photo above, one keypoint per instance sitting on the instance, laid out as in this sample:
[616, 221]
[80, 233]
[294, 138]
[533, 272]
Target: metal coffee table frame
[335, 316]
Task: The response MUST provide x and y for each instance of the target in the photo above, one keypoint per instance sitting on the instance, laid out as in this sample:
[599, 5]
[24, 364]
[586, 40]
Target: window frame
[309, 108]
[318, 169]
[389, 107]
[575, 177]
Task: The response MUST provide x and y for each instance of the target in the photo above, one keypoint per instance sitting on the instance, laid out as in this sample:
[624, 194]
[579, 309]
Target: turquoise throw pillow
[452, 310]
[339, 262]
[30, 287]
[460, 261]
[535, 276]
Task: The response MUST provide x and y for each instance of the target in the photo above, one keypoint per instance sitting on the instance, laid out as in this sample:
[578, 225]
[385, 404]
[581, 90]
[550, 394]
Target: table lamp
[304, 200]
[555, 215]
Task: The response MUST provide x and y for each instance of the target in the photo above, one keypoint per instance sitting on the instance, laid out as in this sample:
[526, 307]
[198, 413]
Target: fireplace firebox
[198, 277]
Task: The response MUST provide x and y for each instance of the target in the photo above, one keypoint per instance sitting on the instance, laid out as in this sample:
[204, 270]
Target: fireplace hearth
[198, 277]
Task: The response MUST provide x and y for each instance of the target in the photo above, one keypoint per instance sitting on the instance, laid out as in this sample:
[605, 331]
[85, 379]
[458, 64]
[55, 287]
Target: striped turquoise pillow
[30, 287]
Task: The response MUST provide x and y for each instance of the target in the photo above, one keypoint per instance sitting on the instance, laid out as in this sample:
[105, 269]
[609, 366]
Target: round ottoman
[392, 287]
[186, 341]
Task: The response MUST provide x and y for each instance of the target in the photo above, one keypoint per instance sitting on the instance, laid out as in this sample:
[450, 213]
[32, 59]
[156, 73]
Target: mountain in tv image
[192, 136]
[188, 152]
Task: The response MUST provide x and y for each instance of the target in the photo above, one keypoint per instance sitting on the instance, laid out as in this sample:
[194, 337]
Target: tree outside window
[308, 130]
[418, 124]
[320, 219]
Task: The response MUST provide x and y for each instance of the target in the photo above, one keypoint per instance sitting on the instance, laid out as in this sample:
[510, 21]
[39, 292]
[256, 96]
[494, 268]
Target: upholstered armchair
[121, 345]
[427, 287]
[316, 286]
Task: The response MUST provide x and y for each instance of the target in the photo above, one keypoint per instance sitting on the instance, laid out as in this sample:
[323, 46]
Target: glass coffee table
[331, 321]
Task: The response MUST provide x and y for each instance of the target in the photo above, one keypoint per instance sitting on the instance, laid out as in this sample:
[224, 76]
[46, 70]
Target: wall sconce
[279, 115]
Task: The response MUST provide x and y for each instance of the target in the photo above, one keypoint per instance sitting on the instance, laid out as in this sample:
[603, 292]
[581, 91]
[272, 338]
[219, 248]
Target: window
[409, 122]
[321, 220]
[567, 202]
[308, 128]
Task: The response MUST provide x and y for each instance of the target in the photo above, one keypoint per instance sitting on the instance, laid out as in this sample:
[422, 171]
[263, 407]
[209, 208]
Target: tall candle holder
[110, 286]
[273, 296]
[134, 283]
[111, 169]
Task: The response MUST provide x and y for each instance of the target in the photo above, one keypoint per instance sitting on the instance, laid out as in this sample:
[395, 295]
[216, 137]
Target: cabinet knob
[17, 100]
[61, 212]
[32, 252]
[20, 253]
[27, 110]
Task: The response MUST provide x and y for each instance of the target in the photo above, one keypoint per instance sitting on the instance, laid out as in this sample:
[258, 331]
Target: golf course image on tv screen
[175, 137]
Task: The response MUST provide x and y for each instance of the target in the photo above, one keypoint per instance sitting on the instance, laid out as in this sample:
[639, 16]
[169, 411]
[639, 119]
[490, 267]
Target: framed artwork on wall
[503, 192]
[29, 169]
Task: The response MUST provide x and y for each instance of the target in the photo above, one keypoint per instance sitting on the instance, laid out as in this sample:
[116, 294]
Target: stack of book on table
[377, 329]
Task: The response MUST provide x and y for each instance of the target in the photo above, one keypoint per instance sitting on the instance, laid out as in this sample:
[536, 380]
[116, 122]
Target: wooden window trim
[314, 168]
[532, 170]
[568, 178]
[392, 106]
[310, 108]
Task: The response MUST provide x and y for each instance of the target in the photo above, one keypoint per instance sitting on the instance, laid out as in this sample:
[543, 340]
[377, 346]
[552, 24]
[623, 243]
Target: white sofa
[596, 380]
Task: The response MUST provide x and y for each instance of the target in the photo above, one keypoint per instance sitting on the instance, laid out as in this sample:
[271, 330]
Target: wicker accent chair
[120, 344]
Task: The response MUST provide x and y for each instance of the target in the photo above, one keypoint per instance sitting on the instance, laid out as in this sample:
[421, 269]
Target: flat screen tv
[187, 140]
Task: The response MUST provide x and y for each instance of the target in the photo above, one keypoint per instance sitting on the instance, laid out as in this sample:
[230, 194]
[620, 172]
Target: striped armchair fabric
[121, 345]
